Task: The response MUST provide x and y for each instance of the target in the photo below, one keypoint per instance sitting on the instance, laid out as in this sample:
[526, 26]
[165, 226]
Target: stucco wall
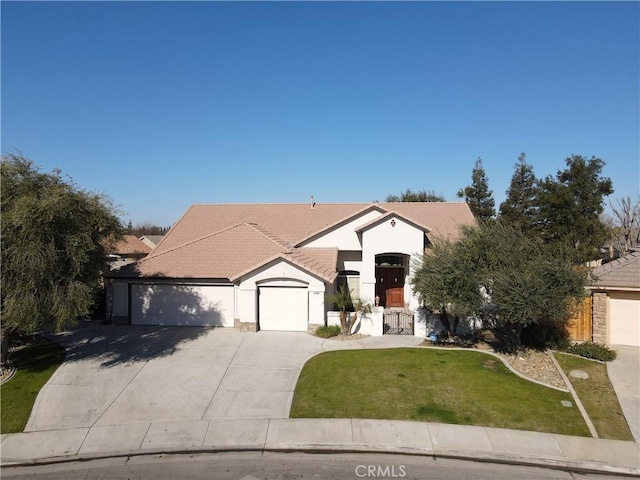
[386, 237]
[344, 237]
[279, 273]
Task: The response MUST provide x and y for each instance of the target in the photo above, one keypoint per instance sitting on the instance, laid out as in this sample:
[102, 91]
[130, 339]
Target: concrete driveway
[116, 375]
[624, 373]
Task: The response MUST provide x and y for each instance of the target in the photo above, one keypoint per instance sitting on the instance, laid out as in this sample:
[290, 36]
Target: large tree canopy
[478, 195]
[54, 239]
[521, 205]
[497, 272]
[570, 206]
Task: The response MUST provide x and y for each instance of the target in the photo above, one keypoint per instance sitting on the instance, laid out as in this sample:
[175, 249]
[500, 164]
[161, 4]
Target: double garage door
[283, 308]
[177, 304]
[624, 318]
[280, 308]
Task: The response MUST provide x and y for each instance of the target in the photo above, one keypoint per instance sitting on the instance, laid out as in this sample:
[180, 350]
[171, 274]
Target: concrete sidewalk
[579, 454]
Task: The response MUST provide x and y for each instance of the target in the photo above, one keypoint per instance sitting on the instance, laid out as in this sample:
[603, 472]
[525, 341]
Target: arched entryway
[391, 270]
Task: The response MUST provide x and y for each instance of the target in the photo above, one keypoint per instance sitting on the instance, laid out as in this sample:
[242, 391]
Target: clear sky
[161, 105]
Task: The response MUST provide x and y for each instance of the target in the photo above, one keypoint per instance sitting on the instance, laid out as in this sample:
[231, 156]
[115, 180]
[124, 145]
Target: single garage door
[283, 308]
[624, 318]
[189, 305]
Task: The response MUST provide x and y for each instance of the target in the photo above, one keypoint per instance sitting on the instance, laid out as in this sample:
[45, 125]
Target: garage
[182, 304]
[283, 308]
[624, 318]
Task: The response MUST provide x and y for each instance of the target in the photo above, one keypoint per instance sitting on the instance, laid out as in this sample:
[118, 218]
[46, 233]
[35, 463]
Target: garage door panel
[188, 305]
[624, 319]
[284, 308]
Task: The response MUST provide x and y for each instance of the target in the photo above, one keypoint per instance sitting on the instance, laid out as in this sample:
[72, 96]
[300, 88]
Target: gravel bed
[536, 365]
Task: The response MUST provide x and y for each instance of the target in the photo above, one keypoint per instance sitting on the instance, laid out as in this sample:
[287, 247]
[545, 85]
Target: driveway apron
[116, 375]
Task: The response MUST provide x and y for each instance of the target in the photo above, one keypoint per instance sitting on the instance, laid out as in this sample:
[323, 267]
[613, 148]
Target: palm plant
[345, 303]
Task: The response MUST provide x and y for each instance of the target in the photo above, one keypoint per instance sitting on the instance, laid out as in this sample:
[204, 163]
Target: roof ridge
[182, 245]
[268, 235]
[182, 217]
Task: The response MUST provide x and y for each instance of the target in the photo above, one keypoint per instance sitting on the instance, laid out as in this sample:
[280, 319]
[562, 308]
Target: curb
[481, 457]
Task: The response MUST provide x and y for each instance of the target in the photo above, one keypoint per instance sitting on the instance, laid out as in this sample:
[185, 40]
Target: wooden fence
[579, 326]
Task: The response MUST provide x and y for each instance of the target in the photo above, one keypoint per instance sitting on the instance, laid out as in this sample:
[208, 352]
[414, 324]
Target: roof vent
[313, 204]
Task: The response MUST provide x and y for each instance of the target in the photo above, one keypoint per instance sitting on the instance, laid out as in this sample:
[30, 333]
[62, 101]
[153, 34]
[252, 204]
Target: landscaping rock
[536, 365]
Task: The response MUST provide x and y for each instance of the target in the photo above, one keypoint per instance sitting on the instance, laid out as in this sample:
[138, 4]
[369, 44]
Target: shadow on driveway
[113, 345]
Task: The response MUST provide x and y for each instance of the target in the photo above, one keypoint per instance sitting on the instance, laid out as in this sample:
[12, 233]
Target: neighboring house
[151, 240]
[271, 266]
[128, 250]
[615, 299]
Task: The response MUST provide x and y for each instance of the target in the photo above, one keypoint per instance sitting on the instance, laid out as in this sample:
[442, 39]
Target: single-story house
[271, 266]
[615, 297]
[128, 250]
[151, 240]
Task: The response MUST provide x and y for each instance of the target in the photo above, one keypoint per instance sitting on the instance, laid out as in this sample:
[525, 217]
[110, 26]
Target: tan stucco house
[271, 266]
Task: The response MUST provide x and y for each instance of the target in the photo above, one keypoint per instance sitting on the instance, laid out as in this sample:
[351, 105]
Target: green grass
[461, 387]
[597, 396]
[35, 364]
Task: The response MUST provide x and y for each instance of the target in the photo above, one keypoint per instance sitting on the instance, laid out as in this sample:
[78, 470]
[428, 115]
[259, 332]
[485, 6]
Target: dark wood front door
[390, 286]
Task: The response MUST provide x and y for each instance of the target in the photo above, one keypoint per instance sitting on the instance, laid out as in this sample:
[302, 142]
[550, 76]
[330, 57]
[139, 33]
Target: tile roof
[230, 240]
[624, 272]
[131, 244]
[155, 239]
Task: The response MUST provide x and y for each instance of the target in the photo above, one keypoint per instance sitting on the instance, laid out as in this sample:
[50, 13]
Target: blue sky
[161, 105]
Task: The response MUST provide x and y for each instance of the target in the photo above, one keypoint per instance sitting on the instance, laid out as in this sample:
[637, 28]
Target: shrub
[595, 351]
[546, 335]
[327, 331]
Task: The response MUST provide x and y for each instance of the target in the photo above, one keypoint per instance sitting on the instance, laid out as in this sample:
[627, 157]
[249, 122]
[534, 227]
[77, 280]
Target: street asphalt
[130, 390]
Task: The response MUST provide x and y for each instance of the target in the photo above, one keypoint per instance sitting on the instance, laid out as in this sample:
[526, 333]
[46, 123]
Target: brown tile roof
[231, 240]
[131, 244]
[623, 272]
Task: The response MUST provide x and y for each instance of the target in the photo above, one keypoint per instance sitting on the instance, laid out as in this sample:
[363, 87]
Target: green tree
[478, 195]
[521, 205]
[421, 196]
[54, 238]
[570, 206]
[508, 278]
[446, 281]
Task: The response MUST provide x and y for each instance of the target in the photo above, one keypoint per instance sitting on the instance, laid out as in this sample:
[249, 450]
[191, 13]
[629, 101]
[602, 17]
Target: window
[351, 280]
[391, 260]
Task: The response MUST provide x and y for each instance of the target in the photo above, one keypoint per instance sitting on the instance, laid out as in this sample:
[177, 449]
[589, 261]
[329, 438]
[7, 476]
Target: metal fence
[397, 323]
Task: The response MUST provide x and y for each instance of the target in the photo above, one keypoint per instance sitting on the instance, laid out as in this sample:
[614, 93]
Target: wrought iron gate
[397, 323]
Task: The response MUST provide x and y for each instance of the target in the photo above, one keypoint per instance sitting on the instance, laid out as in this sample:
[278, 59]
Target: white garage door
[192, 305]
[283, 308]
[624, 318]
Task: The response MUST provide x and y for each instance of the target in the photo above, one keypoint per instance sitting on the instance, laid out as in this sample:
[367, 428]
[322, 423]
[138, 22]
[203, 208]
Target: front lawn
[35, 364]
[462, 387]
[597, 396]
